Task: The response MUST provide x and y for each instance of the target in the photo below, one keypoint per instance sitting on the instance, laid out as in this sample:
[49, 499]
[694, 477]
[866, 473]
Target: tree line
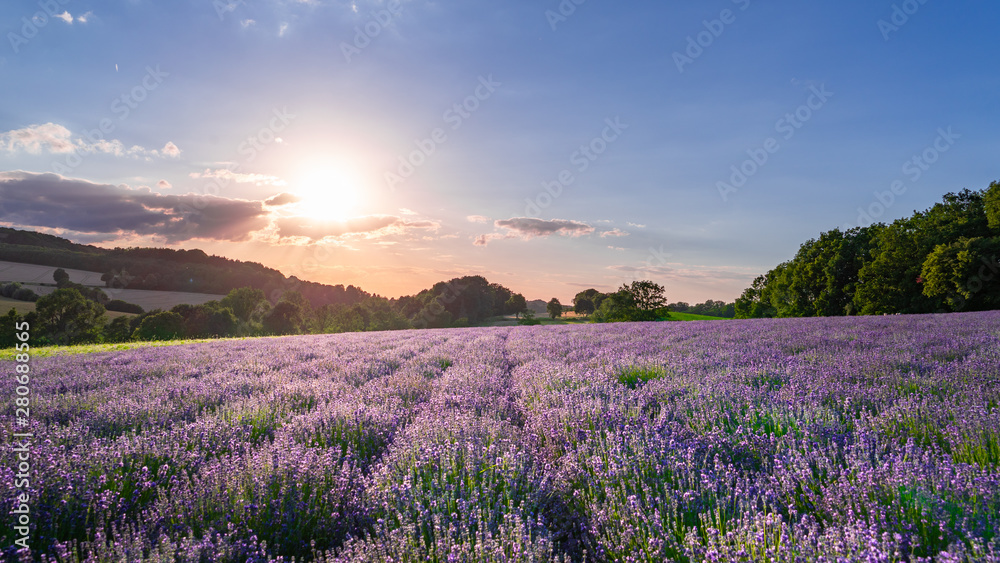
[943, 259]
[74, 314]
[163, 269]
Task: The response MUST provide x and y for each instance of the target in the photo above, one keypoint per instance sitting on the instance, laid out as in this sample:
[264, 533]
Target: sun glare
[328, 193]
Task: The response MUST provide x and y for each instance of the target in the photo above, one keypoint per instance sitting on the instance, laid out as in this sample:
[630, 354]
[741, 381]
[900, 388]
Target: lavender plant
[843, 439]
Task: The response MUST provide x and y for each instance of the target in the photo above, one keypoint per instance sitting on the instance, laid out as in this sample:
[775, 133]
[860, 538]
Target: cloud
[65, 16]
[369, 227]
[56, 139]
[483, 240]
[53, 201]
[528, 227]
[164, 185]
[405, 211]
[282, 199]
[170, 150]
[230, 176]
[478, 219]
[85, 17]
[614, 233]
[282, 29]
[36, 138]
[636, 225]
[247, 23]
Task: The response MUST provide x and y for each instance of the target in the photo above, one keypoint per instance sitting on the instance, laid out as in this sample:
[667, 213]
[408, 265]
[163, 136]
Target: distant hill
[163, 269]
[537, 306]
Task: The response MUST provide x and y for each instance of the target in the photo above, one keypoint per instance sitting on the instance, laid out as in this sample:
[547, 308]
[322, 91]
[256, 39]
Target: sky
[548, 145]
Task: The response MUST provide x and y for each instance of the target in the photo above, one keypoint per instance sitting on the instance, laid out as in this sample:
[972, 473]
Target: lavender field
[847, 439]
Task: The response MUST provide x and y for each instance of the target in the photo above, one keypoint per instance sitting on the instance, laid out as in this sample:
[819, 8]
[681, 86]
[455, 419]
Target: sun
[330, 193]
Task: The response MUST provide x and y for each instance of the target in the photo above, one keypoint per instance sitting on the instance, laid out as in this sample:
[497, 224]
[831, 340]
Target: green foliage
[16, 291]
[710, 308]
[61, 277]
[941, 259]
[528, 318]
[587, 301]
[118, 330]
[164, 325]
[65, 316]
[245, 302]
[284, 318]
[554, 308]
[646, 295]
[635, 376]
[122, 307]
[517, 304]
[991, 203]
[959, 272]
[8, 329]
[634, 302]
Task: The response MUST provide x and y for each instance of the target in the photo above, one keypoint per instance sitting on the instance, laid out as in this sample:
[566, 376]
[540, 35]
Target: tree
[991, 201]
[61, 277]
[616, 307]
[554, 307]
[646, 295]
[244, 302]
[165, 325]
[959, 273]
[528, 318]
[8, 329]
[118, 330]
[65, 316]
[517, 304]
[284, 318]
[583, 306]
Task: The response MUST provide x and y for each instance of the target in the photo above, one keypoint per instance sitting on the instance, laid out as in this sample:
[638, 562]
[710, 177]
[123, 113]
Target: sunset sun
[328, 193]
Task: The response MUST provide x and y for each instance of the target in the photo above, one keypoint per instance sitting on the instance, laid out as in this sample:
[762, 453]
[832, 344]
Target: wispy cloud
[478, 219]
[527, 228]
[282, 199]
[614, 233]
[57, 139]
[366, 227]
[239, 178]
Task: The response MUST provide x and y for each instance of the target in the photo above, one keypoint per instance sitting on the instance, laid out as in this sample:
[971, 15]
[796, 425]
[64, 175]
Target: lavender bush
[847, 439]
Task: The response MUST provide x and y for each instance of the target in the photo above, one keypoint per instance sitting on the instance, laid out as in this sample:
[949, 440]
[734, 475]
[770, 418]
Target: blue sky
[411, 138]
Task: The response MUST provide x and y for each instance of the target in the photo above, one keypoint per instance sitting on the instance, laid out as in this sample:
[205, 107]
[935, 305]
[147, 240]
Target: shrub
[123, 307]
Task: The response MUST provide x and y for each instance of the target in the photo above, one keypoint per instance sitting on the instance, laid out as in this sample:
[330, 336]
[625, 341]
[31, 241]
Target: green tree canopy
[554, 308]
[163, 325]
[65, 316]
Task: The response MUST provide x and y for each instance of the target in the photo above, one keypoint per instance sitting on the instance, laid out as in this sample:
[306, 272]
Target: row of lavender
[874, 439]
